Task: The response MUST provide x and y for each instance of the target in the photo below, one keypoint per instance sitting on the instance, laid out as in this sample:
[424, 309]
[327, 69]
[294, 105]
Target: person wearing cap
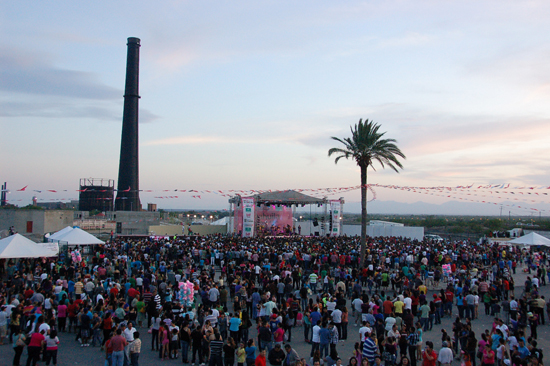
[445, 357]
[533, 323]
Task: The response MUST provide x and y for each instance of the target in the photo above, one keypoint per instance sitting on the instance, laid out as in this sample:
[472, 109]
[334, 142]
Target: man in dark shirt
[264, 335]
[196, 338]
[216, 346]
[276, 355]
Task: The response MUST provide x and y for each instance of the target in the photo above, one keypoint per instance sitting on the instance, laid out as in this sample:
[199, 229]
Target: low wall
[172, 230]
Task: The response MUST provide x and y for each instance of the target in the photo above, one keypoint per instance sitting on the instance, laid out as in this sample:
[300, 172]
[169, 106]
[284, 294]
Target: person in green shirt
[385, 279]
[140, 307]
[313, 282]
[424, 315]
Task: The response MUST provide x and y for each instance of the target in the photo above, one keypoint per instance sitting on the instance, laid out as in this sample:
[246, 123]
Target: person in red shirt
[449, 297]
[429, 356]
[114, 290]
[35, 346]
[118, 343]
[108, 349]
[132, 293]
[107, 327]
[72, 310]
[260, 360]
[438, 308]
[388, 306]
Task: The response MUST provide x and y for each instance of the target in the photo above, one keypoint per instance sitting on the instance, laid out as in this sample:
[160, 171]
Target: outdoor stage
[273, 214]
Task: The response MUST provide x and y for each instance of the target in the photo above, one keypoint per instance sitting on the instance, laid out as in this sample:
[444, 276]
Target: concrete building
[135, 222]
[35, 222]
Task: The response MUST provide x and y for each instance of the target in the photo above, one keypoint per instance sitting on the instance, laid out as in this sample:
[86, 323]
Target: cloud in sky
[31, 86]
[22, 72]
[239, 91]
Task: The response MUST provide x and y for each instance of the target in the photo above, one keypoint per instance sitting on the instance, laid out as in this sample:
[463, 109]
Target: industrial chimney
[128, 171]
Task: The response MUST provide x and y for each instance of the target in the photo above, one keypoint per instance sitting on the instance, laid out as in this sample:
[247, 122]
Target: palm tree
[367, 146]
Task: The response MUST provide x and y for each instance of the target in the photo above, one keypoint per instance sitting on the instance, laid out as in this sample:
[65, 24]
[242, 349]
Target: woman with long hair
[316, 358]
[18, 346]
[344, 324]
[250, 353]
[404, 361]
[52, 342]
[15, 323]
[358, 352]
[107, 326]
[164, 341]
[229, 352]
[245, 325]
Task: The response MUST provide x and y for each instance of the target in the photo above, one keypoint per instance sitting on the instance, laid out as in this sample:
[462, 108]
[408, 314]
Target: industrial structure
[128, 172]
[96, 194]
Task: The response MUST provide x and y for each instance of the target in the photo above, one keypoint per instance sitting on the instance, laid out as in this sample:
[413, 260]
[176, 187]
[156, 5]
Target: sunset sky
[246, 95]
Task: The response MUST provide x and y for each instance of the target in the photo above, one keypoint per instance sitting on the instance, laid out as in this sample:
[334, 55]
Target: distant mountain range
[447, 208]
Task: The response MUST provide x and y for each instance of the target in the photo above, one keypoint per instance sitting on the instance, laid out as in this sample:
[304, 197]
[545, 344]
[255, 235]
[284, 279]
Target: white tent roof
[59, 233]
[222, 221]
[78, 236]
[17, 246]
[531, 239]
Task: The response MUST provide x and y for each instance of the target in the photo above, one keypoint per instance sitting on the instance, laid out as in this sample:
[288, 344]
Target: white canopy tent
[78, 236]
[531, 239]
[59, 233]
[17, 246]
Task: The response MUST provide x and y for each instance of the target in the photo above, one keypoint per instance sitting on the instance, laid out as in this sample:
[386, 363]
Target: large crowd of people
[251, 296]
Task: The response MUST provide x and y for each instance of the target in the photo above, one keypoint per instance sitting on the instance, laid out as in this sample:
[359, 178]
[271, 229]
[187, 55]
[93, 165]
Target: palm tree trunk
[363, 214]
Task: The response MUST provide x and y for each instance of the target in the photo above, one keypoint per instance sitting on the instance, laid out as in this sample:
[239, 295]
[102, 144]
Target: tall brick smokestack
[128, 171]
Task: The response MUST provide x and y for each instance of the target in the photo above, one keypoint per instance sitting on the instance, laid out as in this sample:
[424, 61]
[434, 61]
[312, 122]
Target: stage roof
[288, 197]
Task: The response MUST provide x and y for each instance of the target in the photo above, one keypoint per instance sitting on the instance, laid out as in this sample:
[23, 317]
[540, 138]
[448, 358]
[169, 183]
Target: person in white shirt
[356, 303]
[514, 307]
[445, 357]
[331, 305]
[315, 338]
[269, 306]
[337, 317]
[363, 331]
[503, 328]
[408, 303]
[394, 332]
[129, 332]
[45, 327]
[390, 322]
[3, 324]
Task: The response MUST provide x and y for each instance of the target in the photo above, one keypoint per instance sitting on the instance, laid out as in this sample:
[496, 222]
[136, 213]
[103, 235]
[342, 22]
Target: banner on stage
[336, 209]
[248, 217]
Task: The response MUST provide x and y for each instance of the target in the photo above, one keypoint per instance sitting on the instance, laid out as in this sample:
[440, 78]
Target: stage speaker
[315, 222]
[316, 233]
